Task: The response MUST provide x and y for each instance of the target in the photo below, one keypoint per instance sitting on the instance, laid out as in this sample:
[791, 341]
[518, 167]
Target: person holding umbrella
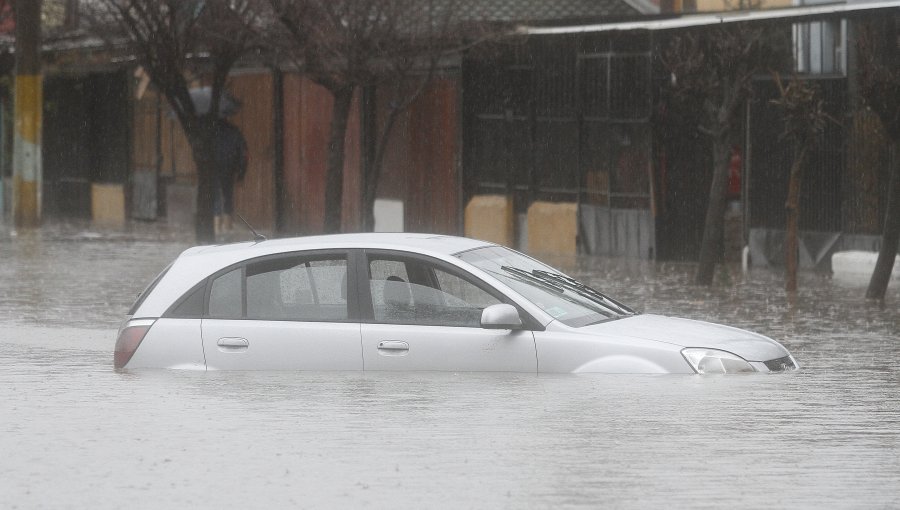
[231, 166]
[230, 157]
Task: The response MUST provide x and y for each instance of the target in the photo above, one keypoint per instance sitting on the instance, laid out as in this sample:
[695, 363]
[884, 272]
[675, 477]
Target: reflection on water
[73, 433]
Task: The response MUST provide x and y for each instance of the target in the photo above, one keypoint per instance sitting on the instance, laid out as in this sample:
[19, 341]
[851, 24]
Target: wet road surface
[76, 434]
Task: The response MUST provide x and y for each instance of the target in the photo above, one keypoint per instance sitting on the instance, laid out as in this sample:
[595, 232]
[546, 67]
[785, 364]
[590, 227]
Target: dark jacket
[231, 151]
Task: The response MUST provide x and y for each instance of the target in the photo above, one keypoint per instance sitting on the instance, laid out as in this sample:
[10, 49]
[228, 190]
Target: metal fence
[566, 118]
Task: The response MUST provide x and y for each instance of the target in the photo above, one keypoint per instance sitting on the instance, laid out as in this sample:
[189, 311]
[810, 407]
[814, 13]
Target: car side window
[297, 289]
[465, 291]
[283, 288]
[415, 292]
[225, 296]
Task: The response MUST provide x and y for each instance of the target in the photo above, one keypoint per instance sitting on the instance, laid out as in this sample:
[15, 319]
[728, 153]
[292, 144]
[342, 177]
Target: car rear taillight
[130, 337]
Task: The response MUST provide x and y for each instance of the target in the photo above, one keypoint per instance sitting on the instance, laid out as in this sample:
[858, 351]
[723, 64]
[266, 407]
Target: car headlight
[713, 361]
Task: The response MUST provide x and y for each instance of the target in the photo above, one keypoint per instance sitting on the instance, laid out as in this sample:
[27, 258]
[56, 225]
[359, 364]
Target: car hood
[690, 333]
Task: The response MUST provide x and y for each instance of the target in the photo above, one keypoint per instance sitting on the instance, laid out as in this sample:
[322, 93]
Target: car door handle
[393, 345]
[233, 344]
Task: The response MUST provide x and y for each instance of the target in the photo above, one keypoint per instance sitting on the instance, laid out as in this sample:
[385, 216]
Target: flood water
[76, 434]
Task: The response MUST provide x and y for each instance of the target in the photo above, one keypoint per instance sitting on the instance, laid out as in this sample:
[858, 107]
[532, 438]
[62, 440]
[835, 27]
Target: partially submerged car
[409, 302]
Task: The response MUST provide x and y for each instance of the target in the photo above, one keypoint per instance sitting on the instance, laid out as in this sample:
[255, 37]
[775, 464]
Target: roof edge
[643, 6]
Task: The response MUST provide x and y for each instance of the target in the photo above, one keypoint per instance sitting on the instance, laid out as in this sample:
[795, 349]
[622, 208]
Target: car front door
[423, 314]
[286, 312]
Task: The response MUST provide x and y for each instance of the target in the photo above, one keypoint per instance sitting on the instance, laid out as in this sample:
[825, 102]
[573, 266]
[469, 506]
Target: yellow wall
[727, 5]
[490, 218]
[108, 204]
[553, 228]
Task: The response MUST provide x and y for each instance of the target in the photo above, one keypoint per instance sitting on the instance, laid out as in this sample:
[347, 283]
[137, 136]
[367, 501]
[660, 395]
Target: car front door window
[413, 292]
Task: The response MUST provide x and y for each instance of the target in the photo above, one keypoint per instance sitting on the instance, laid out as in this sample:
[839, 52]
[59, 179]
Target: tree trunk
[334, 181]
[202, 138]
[375, 170]
[710, 247]
[889, 239]
[792, 210]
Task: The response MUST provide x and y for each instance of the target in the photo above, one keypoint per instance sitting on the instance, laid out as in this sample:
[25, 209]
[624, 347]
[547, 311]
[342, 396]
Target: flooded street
[76, 434]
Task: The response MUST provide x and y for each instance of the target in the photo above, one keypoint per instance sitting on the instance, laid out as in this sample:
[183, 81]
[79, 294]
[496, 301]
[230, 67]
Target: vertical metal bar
[745, 175]
[608, 152]
[460, 148]
[2, 157]
[654, 189]
[580, 238]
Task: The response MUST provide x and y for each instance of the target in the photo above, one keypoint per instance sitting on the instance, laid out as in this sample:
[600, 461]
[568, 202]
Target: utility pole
[27, 172]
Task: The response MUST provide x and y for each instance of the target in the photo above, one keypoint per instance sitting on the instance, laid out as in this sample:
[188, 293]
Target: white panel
[449, 349]
[815, 48]
[388, 215]
[170, 343]
[281, 345]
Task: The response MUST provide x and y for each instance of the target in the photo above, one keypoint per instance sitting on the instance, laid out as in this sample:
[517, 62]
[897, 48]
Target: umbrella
[201, 96]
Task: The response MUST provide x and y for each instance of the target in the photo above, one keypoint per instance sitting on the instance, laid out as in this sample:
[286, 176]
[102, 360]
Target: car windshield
[562, 297]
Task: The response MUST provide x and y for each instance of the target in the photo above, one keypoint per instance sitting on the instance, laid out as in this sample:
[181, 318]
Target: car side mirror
[501, 316]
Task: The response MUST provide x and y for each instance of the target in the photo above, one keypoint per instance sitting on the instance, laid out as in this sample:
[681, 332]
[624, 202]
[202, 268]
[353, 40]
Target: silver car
[409, 302]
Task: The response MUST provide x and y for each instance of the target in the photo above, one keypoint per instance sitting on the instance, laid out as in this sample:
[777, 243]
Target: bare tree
[879, 79]
[7, 29]
[804, 117]
[176, 42]
[346, 45]
[6, 12]
[714, 68]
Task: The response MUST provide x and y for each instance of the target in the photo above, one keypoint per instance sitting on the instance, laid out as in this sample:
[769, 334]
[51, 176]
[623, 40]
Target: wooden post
[27, 174]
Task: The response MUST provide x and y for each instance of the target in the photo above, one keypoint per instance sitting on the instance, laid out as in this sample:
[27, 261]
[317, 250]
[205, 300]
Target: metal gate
[566, 119]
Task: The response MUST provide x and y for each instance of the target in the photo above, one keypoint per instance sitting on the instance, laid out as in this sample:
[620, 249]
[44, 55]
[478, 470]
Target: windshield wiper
[580, 288]
[531, 278]
[559, 284]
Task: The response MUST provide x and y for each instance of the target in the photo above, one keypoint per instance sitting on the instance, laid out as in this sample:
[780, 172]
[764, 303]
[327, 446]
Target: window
[819, 46]
[286, 288]
[413, 292]
[225, 296]
[296, 289]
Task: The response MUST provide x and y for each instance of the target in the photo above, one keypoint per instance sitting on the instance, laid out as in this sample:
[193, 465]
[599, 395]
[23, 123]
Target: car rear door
[424, 314]
[284, 312]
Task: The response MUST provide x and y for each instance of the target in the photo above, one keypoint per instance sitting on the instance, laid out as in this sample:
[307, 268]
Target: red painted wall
[307, 116]
[422, 164]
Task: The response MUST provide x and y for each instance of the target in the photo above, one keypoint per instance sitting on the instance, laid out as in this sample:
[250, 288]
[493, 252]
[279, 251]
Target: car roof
[420, 243]
[199, 262]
